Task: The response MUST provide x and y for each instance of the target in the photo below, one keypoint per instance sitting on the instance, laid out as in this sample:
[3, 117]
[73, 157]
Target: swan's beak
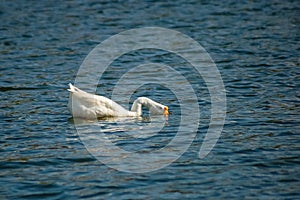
[166, 110]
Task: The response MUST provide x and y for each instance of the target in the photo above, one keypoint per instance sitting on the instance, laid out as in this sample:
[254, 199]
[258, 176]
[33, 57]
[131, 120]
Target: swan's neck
[150, 104]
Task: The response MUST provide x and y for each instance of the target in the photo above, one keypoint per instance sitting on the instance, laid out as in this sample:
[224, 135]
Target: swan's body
[90, 106]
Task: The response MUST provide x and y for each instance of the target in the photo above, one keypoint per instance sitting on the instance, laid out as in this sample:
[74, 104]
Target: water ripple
[255, 46]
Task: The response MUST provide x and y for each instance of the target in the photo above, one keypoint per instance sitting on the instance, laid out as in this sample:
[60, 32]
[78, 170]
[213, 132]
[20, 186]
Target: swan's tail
[72, 88]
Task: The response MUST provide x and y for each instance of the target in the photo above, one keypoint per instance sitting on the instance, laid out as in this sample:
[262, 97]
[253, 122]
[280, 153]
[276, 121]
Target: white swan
[90, 106]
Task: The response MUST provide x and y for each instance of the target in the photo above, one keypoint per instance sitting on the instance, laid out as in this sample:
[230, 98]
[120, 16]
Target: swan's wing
[95, 105]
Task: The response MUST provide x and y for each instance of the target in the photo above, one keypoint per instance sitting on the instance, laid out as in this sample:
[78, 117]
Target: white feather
[91, 106]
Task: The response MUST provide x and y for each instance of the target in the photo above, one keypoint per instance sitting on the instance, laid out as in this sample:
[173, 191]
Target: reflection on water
[137, 127]
[136, 145]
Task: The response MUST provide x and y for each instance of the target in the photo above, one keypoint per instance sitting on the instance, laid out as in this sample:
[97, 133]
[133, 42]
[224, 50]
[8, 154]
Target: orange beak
[166, 110]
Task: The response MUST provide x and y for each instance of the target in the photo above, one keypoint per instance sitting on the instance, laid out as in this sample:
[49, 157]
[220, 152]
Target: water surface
[256, 48]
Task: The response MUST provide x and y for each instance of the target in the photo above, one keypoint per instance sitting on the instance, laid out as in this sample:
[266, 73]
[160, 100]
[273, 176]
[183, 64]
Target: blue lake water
[255, 46]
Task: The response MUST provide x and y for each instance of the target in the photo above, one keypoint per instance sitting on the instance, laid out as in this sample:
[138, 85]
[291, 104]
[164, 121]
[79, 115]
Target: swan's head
[154, 107]
[166, 110]
[159, 109]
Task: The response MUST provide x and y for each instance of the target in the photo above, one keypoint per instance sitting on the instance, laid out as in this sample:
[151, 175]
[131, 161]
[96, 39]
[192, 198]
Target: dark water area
[255, 45]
